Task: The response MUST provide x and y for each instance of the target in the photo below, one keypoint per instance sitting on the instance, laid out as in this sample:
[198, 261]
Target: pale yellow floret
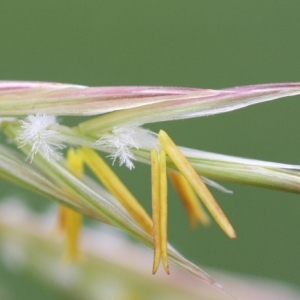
[196, 183]
[189, 199]
[187, 182]
[116, 187]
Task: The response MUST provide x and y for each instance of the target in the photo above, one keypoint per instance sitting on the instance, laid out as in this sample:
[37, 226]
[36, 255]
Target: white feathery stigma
[121, 140]
[40, 131]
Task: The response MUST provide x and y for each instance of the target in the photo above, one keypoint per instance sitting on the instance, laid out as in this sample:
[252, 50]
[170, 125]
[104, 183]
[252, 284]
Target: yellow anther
[110, 180]
[69, 220]
[196, 183]
[73, 226]
[155, 209]
[159, 209]
[189, 199]
[163, 209]
[75, 163]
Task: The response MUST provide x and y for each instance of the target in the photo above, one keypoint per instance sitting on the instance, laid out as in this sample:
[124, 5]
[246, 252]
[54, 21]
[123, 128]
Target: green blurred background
[207, 44]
